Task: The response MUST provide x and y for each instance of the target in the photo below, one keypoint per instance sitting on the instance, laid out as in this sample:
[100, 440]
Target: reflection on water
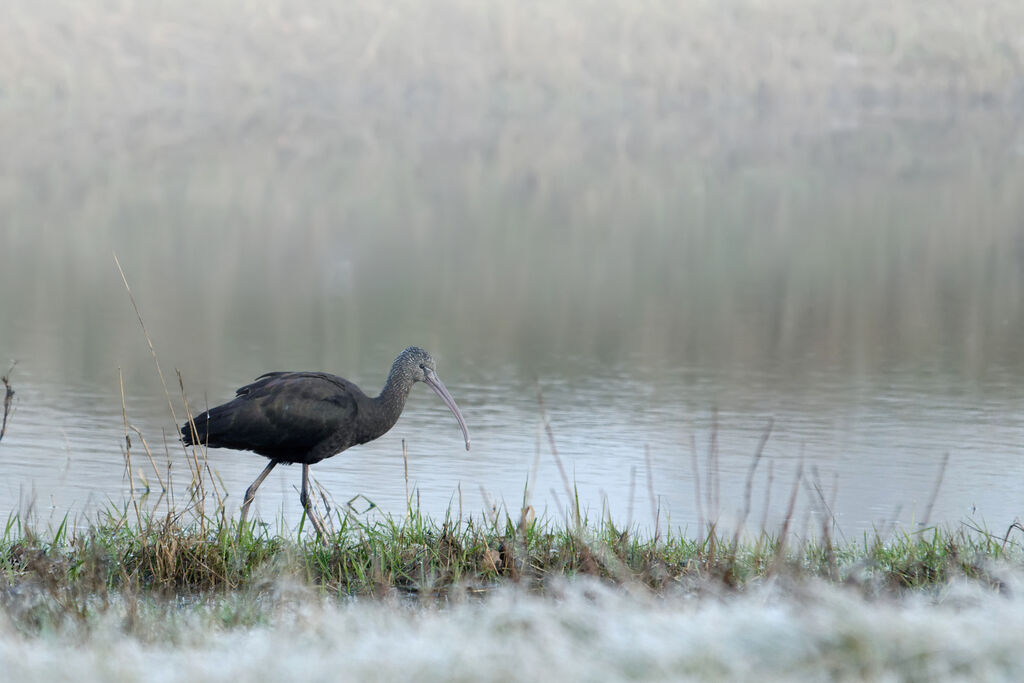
[845, 258]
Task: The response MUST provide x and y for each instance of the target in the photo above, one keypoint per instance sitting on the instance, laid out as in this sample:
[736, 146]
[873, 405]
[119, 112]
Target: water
[876, 448]
[646, 251]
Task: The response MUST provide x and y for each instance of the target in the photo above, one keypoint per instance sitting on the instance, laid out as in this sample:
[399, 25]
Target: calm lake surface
[672, 267]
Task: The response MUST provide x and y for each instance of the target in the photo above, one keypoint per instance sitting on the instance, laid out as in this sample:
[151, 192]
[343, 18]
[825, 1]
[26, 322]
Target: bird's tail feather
[208, 426]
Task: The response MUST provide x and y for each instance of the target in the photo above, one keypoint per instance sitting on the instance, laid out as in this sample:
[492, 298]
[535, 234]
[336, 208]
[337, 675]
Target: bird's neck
[392, 397]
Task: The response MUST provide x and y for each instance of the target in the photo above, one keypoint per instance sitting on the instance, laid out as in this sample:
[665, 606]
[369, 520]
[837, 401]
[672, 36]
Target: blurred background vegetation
[795, 185]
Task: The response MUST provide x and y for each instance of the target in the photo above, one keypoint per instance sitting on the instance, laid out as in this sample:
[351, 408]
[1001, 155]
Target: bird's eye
[422, 366]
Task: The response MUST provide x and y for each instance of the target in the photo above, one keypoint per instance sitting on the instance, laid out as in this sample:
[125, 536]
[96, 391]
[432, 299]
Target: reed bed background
[841, 176]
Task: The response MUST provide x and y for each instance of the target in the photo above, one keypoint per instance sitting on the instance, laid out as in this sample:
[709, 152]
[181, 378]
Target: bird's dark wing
[283, 415]
[269, 376]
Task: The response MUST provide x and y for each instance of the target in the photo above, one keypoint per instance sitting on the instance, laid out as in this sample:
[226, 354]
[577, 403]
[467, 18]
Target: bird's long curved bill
[438, 386]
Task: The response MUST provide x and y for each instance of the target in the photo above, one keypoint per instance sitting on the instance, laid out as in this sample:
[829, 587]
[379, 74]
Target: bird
[305, 417]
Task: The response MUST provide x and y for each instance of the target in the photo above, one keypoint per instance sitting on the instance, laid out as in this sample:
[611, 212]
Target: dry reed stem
[655, 508]
[170, 462]
[827, 506]
[712, 473]
[197, 482]
[935, 489]
[558, 460]
[405, 466]
[149, 454]
[8, 398]
[127, 438]
[490, 508]
[832, 505]
[767, 495]
[632, 496]
[217, 490]
[695, 463]
[1006, 538]
[149, 342]
[128, 453]
[531, 481]
[780, 549]
[828, 519]
[749, 485]
[193, 463]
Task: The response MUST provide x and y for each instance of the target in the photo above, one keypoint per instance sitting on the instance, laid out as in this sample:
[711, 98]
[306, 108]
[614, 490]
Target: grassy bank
[49, 578]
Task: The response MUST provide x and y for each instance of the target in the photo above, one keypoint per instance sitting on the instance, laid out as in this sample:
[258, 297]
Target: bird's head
[417, 363]
[419, 366]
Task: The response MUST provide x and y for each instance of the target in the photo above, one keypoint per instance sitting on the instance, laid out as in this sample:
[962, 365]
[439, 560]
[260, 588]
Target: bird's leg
[250, 493]
[310, 511]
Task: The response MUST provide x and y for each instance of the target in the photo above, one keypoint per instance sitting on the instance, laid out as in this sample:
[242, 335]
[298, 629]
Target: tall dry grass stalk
[8, 398]
[202, 475]
[935, 490]
[571, 498]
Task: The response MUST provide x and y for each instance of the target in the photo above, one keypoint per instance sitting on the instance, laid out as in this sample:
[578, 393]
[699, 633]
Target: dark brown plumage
[304, 417]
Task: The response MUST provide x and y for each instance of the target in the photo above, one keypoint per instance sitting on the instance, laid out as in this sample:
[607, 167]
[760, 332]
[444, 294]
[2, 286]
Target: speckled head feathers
[413, 363]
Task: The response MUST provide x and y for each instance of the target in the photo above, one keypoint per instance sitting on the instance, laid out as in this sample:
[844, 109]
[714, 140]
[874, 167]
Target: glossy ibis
[304, 417]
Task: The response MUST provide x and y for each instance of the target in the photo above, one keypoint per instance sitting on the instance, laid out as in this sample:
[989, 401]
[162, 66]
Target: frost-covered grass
[578, 630]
